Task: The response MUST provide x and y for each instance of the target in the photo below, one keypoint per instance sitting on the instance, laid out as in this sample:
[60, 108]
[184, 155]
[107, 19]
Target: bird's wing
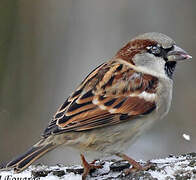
[111, 94]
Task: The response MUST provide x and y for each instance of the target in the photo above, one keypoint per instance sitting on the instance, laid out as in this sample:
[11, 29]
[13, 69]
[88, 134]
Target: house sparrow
[115, 103]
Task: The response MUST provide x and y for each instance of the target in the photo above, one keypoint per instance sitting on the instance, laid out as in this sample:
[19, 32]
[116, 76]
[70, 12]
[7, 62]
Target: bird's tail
[34, 153]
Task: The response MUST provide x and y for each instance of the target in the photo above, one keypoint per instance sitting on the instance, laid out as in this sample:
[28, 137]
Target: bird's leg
[88, 166]
[135, 165]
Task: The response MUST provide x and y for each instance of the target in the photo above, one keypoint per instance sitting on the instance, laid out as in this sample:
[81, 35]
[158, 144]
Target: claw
[88, 166]
[135, 165]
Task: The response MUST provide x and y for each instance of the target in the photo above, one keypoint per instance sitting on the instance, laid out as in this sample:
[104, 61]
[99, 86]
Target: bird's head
[153, 53]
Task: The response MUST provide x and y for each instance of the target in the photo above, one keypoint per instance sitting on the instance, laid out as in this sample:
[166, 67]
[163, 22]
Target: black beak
[177, 54]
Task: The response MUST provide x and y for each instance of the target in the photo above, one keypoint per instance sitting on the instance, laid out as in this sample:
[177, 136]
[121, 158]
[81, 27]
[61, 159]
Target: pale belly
[112, 139]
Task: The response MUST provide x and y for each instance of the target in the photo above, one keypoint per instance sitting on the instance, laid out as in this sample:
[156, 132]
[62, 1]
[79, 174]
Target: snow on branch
[173, 167]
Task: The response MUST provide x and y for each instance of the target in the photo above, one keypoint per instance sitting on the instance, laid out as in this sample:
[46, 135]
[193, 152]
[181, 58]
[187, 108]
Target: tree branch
[173, 167]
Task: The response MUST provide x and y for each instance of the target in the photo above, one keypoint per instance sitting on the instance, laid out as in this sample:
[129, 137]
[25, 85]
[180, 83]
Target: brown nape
[133, 47]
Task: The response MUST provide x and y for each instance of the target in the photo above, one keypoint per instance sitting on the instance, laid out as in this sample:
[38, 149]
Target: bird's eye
[156, 50]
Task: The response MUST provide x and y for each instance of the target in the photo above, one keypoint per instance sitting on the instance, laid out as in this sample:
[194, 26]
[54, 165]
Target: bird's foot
[135, 165]
[88, 166]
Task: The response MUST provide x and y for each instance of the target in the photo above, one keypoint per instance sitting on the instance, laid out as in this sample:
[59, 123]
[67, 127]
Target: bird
[117, 102]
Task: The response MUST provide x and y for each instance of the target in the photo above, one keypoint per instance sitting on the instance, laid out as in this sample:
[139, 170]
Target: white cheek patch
[148, 63]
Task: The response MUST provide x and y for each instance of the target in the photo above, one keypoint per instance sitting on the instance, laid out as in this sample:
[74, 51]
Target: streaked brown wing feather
[109, 95]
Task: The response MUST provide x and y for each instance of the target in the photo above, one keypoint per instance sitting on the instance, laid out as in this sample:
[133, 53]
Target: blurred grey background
[47, 47]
